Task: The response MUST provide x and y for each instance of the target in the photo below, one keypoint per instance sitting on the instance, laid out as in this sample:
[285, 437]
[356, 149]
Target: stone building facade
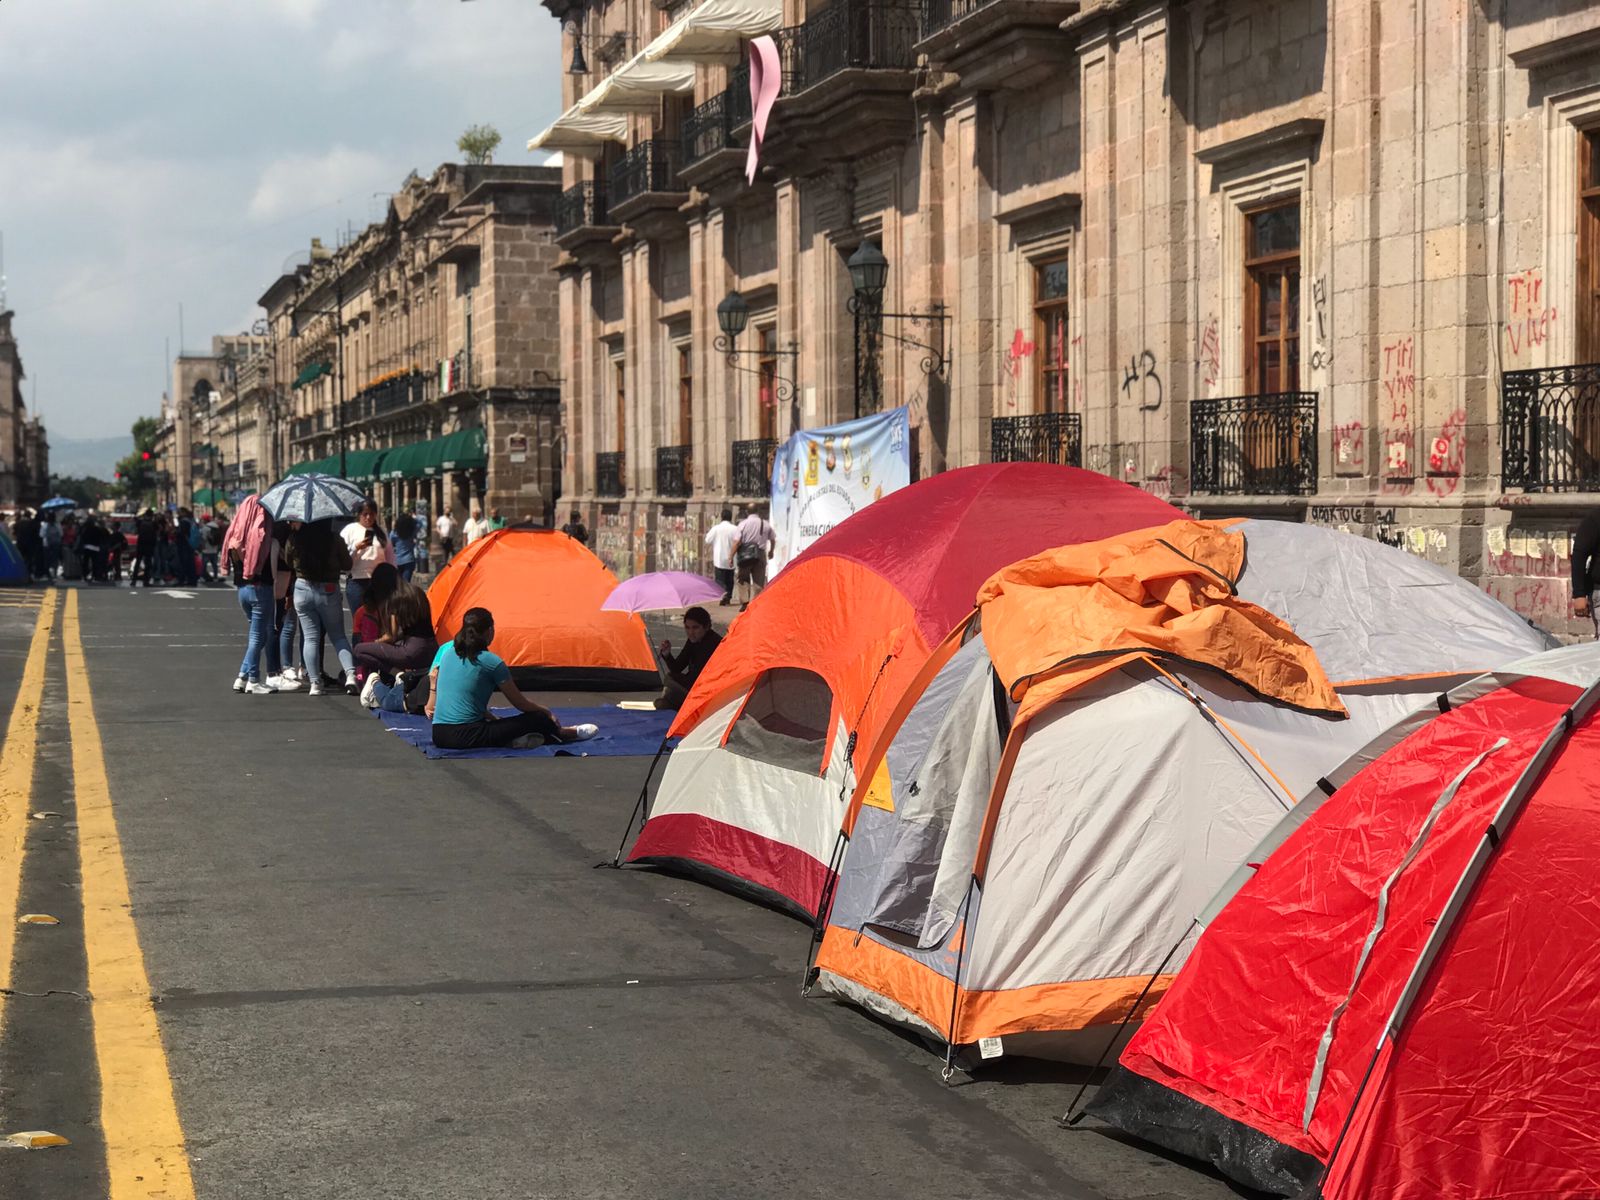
[24, 446]
[437, 321]
[1334, 261]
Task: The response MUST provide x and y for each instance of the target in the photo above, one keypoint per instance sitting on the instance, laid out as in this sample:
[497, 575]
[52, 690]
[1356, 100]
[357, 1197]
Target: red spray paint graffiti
[1529, 323]
[1446, 454]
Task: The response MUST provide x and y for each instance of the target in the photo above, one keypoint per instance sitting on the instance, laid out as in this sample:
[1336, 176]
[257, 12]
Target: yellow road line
[145, 1154]
[16, 786]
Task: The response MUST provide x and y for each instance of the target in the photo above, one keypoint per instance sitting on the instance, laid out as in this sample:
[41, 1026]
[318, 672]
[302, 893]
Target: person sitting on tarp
[465, 675]
[679, 671]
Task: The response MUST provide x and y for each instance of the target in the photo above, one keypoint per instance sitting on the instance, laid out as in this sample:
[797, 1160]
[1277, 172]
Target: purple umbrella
[662, 589]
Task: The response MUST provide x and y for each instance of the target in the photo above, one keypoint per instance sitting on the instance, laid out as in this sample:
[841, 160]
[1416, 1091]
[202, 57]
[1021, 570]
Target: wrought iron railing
[608, 466]
[674, 470]
[392, 394]
[707, 129]
[752, 466]
[301, 427]
[1052, 437]
[581, 206]
[852, 33]
[941, 14]
[248, 468]
[1550, 429]
[1254, 445]
[738, 93]
[651, 166]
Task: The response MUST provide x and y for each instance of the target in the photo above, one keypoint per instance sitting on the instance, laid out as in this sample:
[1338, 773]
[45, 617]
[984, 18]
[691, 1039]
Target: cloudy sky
[163, 152]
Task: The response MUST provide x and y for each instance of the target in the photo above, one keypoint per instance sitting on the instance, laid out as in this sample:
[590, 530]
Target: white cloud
[298, 181]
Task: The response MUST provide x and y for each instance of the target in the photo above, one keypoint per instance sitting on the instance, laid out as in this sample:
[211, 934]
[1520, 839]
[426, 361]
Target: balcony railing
[1550, 429]
[674, 470]
[608, 473]
[738, 92]
[707, 129]
[651, 166]
[390, 395]
[1038, 437]
[854, 33]
[581, 206]
[301, 427]
[752, 466]
[1254, 445]
[941, 14]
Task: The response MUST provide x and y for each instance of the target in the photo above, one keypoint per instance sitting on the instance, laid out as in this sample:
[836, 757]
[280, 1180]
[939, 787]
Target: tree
[478, 143]
[136, 474]
[85, 489]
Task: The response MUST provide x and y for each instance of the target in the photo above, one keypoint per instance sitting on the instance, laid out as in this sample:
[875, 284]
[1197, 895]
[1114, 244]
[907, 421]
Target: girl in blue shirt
[464, 677]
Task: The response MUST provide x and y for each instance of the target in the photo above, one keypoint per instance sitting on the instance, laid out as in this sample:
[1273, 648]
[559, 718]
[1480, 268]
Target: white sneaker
[238, 684]
[316, 688]
[285, 683]
[369, 691]
[582, 733]
[258, 689]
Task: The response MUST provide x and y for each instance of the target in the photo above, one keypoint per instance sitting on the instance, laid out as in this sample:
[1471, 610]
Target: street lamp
[869, 275]
[733, 314]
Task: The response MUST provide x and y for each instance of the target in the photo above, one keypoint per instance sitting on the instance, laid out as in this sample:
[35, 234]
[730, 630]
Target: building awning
[464, 450]
[311, 372]
[638, 85]
[580, 132]
[714, 31]
[360, 466]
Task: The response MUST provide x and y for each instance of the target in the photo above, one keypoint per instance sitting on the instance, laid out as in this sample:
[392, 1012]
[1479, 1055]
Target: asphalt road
[379, 976]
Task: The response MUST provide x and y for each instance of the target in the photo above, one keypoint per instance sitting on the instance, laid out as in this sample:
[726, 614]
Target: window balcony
[675, 471]
[752, 466]
[1254, 445]
[1550, 429]
[582, 215]
[709, 128]
[860, 34]
[646, 177]
[302, 428]
[1038, 437]
[608, 471]
[1002, 44]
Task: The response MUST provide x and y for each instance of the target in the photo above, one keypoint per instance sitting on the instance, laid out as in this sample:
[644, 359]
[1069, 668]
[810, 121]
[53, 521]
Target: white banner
[822, 476]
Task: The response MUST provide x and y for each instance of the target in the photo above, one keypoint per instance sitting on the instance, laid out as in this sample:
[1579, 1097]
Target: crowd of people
[154, 548]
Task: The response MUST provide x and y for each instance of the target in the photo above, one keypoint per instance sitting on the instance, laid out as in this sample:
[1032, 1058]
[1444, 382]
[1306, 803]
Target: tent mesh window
[785, 721]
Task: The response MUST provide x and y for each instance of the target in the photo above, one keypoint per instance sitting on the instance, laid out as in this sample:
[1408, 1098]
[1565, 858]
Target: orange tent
[545, 591]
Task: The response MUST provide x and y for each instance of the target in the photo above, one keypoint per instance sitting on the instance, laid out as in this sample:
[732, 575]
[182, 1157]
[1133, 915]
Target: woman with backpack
[318, 556]
[463, 678]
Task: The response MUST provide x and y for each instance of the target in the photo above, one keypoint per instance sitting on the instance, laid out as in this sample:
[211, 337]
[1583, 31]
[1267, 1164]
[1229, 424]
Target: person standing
[575, 528]
[185, 548]
[496, 521]
[757, 541]
[50, 535]
[368, 546]
[251, 559]
[403, 541]
[1586, 568]
[210, 548]
[446, 529]
[318, 556]
[475, 528]
[723, 538]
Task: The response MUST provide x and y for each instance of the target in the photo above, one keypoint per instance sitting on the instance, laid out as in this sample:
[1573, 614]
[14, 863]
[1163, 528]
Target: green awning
[460, 451]
[360, 466]
[312, 372]
[463, 450]
[210, 496]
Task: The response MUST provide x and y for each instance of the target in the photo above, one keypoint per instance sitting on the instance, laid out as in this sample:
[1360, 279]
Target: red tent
[1404, 999]
[814, 669]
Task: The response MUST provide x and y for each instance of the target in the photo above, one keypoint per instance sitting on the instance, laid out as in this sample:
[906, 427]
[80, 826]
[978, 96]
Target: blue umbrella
[58, 502]
[312, 498]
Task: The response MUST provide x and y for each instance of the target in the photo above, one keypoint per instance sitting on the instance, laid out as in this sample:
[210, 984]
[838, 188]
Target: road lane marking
[16, 787]
[145, 1153]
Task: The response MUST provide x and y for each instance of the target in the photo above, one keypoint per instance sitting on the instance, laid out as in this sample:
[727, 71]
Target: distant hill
[87, 456]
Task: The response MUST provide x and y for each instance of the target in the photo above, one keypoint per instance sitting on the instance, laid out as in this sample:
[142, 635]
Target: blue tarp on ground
[622, 732]
[12, 569]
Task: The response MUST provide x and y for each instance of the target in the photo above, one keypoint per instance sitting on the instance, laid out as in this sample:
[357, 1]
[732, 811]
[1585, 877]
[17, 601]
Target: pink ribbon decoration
[766, 77]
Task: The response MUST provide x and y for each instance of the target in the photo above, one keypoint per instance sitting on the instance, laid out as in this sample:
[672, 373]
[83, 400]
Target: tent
[753, 795]
[12, 569]
[1084, 762]
[545, 591]
[1403, 1000]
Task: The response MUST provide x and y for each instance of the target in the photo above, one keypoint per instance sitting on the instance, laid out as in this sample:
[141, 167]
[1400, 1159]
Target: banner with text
[822, 476]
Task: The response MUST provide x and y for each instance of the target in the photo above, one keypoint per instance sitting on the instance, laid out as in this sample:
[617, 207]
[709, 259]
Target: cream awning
[712, 32]
[578, 132]
[638, 85]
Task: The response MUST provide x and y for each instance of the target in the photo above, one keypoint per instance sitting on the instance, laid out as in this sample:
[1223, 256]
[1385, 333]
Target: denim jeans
[282, 647]
[355, 591]
[319, 611]
[407, 570]
[391, 697]
[256, 600]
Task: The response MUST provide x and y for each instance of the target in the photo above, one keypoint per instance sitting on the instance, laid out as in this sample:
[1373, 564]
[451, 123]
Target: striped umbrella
[312, 498]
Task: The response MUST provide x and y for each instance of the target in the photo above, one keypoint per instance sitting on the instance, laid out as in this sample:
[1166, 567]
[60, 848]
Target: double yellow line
[145, 1154]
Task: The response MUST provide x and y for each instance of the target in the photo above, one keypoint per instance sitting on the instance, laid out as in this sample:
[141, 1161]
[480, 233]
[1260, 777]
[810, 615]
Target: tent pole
[638, 808]
[824, 906]
[1068, 1119]
[955, 993]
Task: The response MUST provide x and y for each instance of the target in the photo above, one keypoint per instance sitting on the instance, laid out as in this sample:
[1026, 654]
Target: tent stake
[638, 808]
[1068, 1120]
[955, 993]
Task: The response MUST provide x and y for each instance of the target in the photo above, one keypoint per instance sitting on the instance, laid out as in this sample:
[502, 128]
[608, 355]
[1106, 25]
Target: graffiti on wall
[1210, 358]
[1141, 381]
[1528, 324]
[1017, 354]
[1321, 356]
[1350, 447]
[678, 543]
[613, 543]
[1446, 453]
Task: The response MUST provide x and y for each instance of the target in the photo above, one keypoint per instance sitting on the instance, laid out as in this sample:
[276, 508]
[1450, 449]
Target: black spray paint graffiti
[1141, 372]
[1321, 356]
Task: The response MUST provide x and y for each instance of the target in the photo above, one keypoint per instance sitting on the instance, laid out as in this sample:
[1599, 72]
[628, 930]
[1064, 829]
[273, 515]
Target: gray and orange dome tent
[545, 590]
